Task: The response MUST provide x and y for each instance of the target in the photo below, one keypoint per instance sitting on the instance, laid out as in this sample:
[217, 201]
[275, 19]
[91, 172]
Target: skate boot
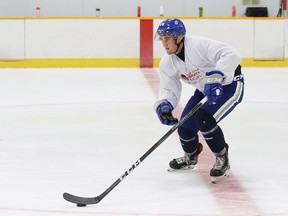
[220, 170]
[185, 162]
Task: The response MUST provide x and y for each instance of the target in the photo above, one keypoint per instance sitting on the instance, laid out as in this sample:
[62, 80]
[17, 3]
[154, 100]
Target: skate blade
[216, 179]
[184, 168]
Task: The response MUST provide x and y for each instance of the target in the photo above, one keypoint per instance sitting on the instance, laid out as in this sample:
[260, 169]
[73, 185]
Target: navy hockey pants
[233, 94]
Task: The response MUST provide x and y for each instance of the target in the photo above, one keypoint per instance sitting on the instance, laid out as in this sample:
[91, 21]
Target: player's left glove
[164, 110]
[213, 88]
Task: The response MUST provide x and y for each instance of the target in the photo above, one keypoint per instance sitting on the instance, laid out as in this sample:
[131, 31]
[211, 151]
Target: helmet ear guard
[179, 39]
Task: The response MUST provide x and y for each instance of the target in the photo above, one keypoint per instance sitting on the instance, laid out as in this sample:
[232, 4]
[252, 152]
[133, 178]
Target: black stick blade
[81, 200]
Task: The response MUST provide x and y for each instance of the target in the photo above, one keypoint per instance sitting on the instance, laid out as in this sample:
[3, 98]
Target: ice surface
[78, 130]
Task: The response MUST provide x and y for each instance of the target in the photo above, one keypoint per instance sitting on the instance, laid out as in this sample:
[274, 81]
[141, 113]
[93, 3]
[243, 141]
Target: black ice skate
[185, 162]
[220, 170]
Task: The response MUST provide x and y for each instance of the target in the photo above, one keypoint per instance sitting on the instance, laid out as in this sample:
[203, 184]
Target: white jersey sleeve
[170, 84]
[225, 58]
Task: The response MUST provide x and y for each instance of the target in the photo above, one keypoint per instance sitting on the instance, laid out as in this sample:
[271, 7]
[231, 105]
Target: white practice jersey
[201, 55]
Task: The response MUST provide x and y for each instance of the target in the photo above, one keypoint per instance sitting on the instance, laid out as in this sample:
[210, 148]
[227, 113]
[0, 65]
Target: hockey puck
[81, 205]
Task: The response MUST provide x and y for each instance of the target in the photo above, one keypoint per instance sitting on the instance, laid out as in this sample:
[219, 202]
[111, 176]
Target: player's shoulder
[166, 60]
[195, 37]
[194, 40]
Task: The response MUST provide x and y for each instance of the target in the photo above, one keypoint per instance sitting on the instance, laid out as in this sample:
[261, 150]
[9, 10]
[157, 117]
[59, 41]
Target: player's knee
[186, 134]
[204, 120]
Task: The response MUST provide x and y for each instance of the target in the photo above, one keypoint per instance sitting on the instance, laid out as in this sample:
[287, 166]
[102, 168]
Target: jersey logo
[191, 77]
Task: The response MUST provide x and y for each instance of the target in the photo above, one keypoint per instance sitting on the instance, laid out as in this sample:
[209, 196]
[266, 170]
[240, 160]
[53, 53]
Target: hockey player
[213, 68]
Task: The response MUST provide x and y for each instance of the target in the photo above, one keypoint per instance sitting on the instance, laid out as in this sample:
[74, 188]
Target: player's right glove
[164, 110]
[213, 88]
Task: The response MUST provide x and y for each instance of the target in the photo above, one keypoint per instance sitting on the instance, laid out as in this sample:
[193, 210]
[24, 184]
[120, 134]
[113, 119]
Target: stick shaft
[161, 140]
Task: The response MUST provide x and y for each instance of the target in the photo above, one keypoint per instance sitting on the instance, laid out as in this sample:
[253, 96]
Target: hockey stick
[83, 201]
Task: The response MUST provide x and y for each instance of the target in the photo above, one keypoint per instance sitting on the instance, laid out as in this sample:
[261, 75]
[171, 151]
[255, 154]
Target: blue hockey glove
[164, 110]
[213, 88]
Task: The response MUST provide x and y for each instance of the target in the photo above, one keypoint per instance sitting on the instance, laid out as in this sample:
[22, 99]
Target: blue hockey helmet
[173, 27]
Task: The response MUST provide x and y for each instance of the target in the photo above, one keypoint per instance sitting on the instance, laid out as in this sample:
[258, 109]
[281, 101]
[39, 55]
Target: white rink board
[120, 38]
[12, 39]
[82, 38]
[266, 31]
